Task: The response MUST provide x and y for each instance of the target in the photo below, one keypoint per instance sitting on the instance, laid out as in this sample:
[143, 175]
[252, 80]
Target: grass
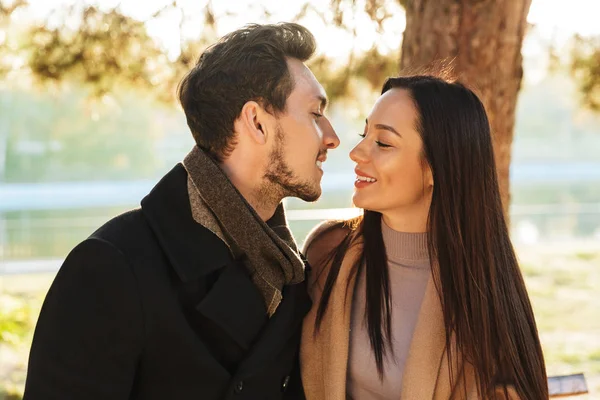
[564, 287]
[563, 283]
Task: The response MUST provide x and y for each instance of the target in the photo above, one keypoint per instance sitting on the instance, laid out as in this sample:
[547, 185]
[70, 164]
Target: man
[200, 294]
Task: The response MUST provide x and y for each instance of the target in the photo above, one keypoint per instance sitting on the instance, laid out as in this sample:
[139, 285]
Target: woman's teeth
[319, 164]
[365, 179]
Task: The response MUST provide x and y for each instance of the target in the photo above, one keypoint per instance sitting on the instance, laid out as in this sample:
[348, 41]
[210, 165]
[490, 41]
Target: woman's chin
[360, 202]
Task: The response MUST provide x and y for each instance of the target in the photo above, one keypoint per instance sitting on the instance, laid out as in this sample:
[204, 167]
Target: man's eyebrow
[384, 127]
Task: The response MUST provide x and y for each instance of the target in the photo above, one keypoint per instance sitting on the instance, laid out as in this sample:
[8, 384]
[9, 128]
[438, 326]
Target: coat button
[239, 387]
[285, 383]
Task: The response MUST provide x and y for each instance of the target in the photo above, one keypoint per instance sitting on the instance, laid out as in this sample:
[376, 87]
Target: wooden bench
[567, 385]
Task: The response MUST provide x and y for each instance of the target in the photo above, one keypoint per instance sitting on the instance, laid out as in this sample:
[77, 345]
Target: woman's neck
[410, 222]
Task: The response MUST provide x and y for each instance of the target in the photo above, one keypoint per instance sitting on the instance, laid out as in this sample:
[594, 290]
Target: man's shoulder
[132, 229]
[124, 228]
[131, 235]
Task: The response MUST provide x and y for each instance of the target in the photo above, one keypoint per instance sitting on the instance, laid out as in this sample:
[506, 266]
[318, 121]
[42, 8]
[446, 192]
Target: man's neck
[264, 207]
[260, 199]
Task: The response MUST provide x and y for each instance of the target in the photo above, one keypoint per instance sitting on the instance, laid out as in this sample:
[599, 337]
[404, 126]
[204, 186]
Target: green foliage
[585, 67]
[372, 67]
[104, 47]
[376, 10]
[6, 44]
[6, 10]
[19, 309]
[15, 320]
[9, 395]
[108, 50]
[376, 67]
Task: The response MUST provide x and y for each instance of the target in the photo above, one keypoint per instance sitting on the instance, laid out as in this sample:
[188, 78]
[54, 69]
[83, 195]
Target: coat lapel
[279, 329]
[427, 373]
[192, 250]
[235, 305]
[324, 357]
[426, 349]
[339, 330]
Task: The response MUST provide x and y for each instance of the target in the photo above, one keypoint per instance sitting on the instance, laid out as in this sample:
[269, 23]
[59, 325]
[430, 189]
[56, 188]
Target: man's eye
[317, 115]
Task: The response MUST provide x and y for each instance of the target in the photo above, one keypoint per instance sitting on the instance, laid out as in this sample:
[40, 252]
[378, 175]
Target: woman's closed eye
[379, 143]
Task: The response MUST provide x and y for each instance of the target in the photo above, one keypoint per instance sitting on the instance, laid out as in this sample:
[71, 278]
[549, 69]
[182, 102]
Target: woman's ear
[427, 173]
[429, 176]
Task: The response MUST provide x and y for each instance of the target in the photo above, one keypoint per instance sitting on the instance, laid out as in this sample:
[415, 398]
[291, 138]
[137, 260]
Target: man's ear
[251, 118]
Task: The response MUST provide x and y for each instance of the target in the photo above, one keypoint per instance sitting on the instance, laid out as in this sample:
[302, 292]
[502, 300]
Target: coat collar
[324, 357]
[233, 302]
[184, 241]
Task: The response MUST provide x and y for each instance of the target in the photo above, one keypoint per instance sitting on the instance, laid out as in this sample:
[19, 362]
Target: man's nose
[330, 138]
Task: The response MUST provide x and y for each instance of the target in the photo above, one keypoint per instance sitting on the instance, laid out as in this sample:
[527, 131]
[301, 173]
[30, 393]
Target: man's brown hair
[249, 64]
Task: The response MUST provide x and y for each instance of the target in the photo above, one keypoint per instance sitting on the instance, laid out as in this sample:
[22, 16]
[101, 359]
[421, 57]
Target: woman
[422, 296]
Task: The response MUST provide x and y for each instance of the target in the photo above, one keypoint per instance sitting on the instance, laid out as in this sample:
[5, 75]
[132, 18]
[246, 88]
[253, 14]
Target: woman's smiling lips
[363, 180]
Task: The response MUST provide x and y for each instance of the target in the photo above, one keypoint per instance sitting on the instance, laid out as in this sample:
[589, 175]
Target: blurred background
[89, 122]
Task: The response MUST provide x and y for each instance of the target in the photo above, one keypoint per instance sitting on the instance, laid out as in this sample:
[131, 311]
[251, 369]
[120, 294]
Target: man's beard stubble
[280, 180]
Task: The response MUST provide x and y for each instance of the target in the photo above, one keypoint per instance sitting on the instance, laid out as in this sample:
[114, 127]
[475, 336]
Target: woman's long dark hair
[484, 300]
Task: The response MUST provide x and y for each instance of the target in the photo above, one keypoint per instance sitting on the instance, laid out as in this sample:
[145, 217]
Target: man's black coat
[153, 306]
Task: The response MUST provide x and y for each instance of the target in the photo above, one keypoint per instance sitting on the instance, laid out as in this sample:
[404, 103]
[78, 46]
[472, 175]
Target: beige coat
[324, 358]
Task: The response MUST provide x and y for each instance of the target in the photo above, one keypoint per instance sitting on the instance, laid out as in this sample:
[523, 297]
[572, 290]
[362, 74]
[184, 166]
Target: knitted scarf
[267, 250]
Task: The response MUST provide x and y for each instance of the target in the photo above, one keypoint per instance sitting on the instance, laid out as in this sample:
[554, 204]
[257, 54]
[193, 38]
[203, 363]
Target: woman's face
[393, 177]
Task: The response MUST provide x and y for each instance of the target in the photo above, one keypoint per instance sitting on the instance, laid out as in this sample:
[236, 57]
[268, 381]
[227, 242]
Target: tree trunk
[483, 40]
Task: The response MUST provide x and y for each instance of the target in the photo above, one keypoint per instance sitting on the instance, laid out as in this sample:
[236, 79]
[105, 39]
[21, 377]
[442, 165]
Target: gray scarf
[268, 250]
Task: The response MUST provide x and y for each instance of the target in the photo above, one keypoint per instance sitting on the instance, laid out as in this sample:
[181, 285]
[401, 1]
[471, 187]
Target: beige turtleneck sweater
[409, 270]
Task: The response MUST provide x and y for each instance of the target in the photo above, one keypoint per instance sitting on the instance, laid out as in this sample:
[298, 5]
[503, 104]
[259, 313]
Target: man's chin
[310, 197]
